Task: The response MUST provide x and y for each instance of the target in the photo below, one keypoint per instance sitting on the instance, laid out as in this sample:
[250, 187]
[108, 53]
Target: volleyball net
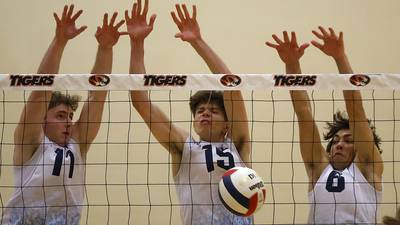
[128, 174]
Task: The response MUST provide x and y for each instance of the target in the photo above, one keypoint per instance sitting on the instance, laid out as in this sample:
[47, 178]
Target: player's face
[342, 149]
[209, 122]
[58, 124]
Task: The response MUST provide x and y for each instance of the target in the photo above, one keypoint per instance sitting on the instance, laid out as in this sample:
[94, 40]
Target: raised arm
[233, 100]
[89, 121]
[167, 134]
[369, 159]
[312, 151]
[29, 133]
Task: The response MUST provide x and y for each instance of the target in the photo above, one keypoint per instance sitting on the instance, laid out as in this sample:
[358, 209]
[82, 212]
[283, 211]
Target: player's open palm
[187, 25]
[66, 26]
[107, 35]
[288, 49]
[137, 25]
[333, 45]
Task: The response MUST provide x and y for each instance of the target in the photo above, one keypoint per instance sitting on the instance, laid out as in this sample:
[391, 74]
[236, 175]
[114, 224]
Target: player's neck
[213, 139]
[340, 166]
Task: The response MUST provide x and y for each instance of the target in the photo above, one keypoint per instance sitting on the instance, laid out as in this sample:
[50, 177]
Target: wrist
[340, 57]
[60, 42]
[137, 41]
[104, 47]
[293, 67]
[196, 42]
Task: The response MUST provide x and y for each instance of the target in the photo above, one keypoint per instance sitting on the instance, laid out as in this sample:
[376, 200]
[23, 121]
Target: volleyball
[242, 191]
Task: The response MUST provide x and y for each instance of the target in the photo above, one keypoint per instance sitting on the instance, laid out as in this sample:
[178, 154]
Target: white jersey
[343, 197]
[201, 169]
[51, 180]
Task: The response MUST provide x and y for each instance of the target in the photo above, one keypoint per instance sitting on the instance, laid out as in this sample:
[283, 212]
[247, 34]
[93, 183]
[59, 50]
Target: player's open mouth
[205, 122]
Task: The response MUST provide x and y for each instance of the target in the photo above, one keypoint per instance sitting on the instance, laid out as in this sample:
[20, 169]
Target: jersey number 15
[226, 156]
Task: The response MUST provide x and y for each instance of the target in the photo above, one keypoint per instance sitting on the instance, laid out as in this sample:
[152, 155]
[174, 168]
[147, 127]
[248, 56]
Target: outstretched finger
[127, 16]
[317, 44]
[179, 11]
[318, 35]
[81, 29]
[176, 20]
[139, 7]
[286, 37]
[303, 47]
[77, 15]
[119, 24]
[70, 11]
[178, 35]
[185, 10]
[293, 40]
[98, 31]
[123, 33]
[105, 19]
[323, 31]
[152, 19]
[64, 13]
[271, 45]
[146, 8]
[278, 40]
[333, 34]
[341, 36]
[194, 16]
[134, 11]
[58, 21]
[113, 18]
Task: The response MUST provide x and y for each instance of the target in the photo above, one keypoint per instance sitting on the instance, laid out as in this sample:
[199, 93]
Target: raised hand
[66, 27]
[107, 35]
[188, 26]
[289, 51]
[138, 28]
[332, 44]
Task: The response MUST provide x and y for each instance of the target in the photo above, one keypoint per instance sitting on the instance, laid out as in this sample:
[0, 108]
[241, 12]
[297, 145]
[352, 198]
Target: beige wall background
[237, 32]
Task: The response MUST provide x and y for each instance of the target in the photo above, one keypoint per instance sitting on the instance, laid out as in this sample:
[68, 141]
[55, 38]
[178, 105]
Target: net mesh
[129, 179]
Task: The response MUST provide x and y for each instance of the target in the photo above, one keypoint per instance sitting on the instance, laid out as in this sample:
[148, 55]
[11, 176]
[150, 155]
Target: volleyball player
[345, 180]
[50, 150]
[219, 119]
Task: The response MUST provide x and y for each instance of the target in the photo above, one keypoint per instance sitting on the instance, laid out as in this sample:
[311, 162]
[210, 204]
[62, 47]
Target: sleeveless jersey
[201, 169]
[49, 187]
[343, 197]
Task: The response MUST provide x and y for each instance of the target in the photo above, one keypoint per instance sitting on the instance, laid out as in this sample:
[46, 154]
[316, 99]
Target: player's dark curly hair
[200, 97]
[58, 98]
[340, 122]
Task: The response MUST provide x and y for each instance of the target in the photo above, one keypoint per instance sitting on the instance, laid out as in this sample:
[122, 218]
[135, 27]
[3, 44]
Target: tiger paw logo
[360, 80]
[230, 80]
[99, 80]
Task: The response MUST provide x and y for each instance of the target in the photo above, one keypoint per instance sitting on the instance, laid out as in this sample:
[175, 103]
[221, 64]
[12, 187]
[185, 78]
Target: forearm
[103, 63]
[37, 104]
[354, 106]
[343, 64]
[301, 104]
[137, 57]
[50, 63]
[353, 99]
[300, 99]
[213, 61]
